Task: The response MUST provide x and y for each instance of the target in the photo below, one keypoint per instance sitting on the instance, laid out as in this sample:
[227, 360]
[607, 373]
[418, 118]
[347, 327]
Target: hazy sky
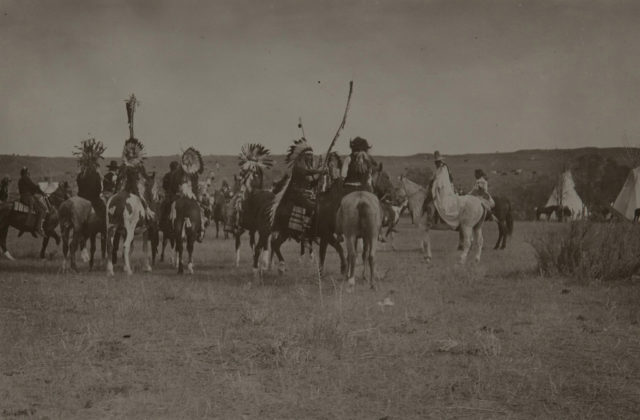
[458, 76]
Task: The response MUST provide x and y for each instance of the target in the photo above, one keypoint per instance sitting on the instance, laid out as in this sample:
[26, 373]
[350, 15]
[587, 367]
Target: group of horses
[340, 218]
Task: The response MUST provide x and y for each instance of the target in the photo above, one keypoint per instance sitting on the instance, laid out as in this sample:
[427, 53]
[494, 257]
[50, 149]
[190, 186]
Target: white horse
[125, 213]
[470, 218]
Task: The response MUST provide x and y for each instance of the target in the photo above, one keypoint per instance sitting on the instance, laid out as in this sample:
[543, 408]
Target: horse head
[381, 183]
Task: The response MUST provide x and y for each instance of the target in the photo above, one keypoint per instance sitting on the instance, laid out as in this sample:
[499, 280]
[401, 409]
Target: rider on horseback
[110, 180]
[170, 188]
[360, 164]
[32, 196]
[90, 187]
[303, 176]
[481, 188]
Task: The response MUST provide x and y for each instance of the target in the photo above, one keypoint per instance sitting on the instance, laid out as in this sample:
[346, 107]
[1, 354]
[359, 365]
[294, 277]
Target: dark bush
[589, 251]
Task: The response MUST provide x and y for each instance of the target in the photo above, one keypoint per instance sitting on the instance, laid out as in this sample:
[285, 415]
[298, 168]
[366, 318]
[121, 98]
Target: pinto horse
[423, 213]
[126, 215]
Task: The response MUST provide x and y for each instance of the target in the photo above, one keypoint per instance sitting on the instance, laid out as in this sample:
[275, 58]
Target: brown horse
[360, 216]
[56, 198]
[25, 222]
[78, 221]
[503, 214]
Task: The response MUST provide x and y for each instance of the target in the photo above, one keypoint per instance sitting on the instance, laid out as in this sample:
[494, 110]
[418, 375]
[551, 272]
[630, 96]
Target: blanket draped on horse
[446, 201]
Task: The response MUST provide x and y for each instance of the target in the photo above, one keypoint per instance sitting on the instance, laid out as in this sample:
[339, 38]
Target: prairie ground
[488, 340]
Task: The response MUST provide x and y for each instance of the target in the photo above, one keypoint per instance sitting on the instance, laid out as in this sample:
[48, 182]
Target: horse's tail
[509, 220]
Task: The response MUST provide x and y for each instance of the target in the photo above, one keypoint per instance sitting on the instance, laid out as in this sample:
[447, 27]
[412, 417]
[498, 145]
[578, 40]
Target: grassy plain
[493, 340]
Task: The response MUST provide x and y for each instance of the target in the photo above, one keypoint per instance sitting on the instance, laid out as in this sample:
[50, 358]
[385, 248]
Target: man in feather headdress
[132, 171]
[110, 180]
[359, 166]
[88, 179]
[303, 175]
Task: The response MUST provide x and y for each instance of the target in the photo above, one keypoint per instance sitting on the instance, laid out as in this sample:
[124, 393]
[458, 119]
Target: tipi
[629, 197]
[565, 194]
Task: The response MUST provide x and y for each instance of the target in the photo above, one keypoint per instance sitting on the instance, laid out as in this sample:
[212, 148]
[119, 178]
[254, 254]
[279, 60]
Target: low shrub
[589, 251]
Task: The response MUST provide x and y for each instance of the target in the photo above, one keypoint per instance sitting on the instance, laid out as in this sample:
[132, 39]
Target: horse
[250, 212]
[423, 212]
[220, 214]
[78, 216]
[186, 216]
[56, 198]
[503, 213]
[555, 209]
[24, 221]
[125, 213]
[360, 216]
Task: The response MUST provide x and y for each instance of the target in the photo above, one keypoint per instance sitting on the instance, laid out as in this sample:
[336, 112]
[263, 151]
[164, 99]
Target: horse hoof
[84, 255]
[282, 268]
[190, 268]
[9, 256]
[128, 271]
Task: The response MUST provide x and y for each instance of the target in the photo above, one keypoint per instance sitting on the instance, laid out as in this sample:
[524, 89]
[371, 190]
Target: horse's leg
[65, 231]
[130, 226]
[55, 236]
[466, 232]
[351, 259]
[115, 245]
[479, 240]
[333, 241]
[372, 264]
[4, 230]
[276, 243]
[501, 232]
[460, 239]
[191, 239]
[111, 250]
[164, 245]
[145, 250]
[43, 249]
[237, 236]
[92, 251]
[322, 253]
[217, 228]
[178, 245]
[76, 240]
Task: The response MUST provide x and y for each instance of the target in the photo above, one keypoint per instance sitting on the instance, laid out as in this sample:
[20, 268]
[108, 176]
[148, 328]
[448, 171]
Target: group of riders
[354, 173]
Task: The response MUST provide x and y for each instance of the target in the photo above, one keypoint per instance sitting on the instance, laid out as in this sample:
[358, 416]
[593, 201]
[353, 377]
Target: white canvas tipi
[565, 194]
[629, 197]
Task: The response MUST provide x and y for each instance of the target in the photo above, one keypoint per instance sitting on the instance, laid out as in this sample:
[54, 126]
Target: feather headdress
[133, 152]
[298, 148]
[254, 158]
[191, 161]
[89, 153]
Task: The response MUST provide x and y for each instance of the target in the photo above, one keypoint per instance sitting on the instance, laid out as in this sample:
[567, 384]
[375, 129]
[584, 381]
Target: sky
[456, 76]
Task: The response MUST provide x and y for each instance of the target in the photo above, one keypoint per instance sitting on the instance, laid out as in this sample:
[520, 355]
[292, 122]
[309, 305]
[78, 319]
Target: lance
[340, 127]
[301, 127]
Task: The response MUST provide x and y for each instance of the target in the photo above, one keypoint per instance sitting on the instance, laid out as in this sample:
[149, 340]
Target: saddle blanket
[22, 208]
[299, 221]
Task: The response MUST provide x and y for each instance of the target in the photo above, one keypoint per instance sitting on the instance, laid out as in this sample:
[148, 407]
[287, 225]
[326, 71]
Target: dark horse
[503, 215]
[324, 227]
[549, 210]
[56, 198]
[220, 200]
[25, 222]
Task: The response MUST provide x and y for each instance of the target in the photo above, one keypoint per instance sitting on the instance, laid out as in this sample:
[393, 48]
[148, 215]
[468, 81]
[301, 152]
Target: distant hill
[526, 177]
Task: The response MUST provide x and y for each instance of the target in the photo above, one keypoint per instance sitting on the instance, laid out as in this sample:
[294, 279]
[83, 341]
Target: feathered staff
[191, 161]
[131, 105]
[253, 159]
[89, 153]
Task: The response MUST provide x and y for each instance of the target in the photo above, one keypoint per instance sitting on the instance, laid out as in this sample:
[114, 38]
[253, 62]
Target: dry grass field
[493, 340]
